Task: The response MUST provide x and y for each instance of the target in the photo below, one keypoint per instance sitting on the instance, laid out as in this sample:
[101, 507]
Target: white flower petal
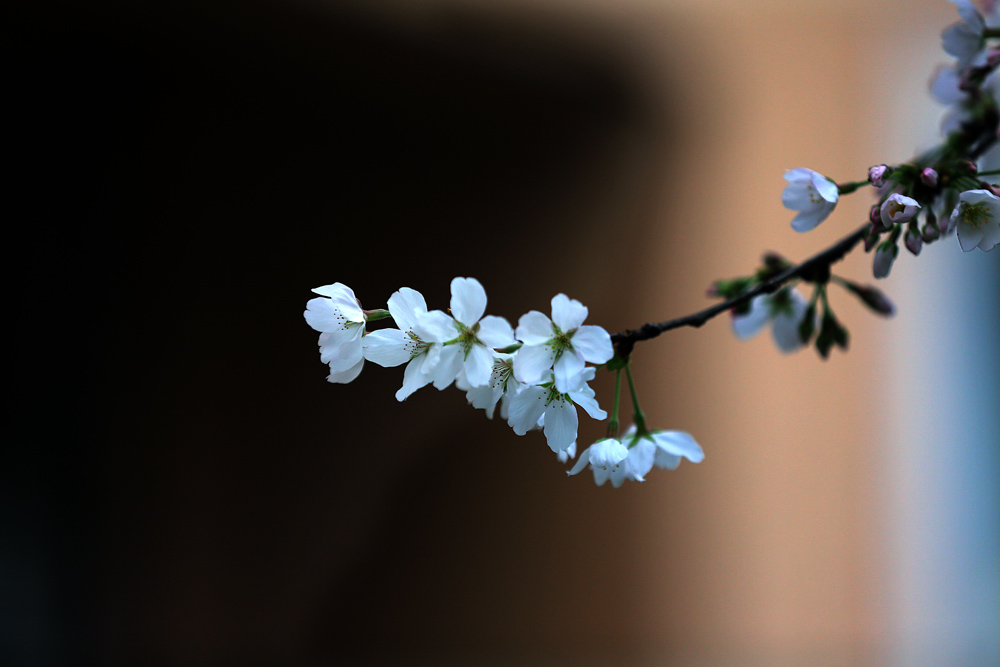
[348, 352]
[586, 399]
[969, 237]
[448, 364]
[561, 423]
[534, 328]
[495, 332]
[531, 362]
[526, 408]
[749, 324]
[413, 378]
[387, 347]
[342, 297]
[640, 459]
[345, 376]
[679, 443]
[468, 300]
[321, 315]
[785, 328]
[436, 326]
[581, 462]
[568, 372]
[478, 366]
[567, 313]
[405, 306]
[593, 343]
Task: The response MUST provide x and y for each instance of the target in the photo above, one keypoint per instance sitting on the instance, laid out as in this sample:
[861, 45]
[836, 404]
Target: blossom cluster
[943, 186]
[535, 375]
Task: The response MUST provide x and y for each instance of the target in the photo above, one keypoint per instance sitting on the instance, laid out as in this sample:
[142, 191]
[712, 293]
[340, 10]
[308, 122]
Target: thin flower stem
[814, 266]
[614, 424]
[637, 416]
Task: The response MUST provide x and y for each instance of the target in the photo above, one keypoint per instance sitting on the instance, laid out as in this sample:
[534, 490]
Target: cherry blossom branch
[814, 269]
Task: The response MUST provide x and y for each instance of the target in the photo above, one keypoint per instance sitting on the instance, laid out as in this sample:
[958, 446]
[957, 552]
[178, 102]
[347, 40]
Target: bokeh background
[181, 485]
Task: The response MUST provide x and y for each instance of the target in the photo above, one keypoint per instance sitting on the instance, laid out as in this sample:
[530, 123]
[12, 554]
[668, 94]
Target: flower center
[503, 370]
[467, 337]
[554, 396]
[561, 342]
[975, 215]
[895, 208]
[814, 195]
[416, 346]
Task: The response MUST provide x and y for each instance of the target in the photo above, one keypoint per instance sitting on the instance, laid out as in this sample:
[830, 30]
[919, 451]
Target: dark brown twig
[815, 266]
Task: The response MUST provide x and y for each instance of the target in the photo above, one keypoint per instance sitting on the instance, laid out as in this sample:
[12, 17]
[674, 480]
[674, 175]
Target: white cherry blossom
[964, 40]
[393, 347]
[341, 322]
[785, 309]
[976, 219]
[607, 458]
[898, 208]
[563, 344]
[466, 340]
[810, 193]
[544, 405]
[662, 449]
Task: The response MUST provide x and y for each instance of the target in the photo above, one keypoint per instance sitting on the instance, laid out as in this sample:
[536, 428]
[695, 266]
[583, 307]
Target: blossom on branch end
[810, 193]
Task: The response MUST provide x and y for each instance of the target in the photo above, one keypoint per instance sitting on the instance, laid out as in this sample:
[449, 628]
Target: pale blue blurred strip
[944, 459]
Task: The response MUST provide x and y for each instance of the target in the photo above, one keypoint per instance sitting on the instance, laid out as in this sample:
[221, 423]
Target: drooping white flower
[810, 193]
[977, 220]
[898, 208]
[544, 405]
[465, 340]
[392, 347]
[563, 344]
[662, 449]
[785, 309]
[607, 458]
[340, 320]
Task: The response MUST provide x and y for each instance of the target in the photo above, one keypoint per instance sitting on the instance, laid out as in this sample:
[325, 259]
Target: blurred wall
[190, 491]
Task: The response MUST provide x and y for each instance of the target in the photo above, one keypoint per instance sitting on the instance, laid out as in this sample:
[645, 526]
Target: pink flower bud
[914, 241]
[929, 177]
[877, 174]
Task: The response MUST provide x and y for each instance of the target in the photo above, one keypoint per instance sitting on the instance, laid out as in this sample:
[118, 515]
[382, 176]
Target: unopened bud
[775, 262]
[967, 166]
[875, 215]
[885, 255]
[993, 189]
[993, 58]
[872, 237]
[877, 174]
[930, 232]
[929, 177]
[875, 299]
[914, 241]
